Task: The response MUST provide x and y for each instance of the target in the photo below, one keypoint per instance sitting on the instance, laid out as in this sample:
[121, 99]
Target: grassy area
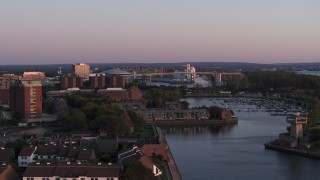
[164, 173]
[315, 148]
[143, 131]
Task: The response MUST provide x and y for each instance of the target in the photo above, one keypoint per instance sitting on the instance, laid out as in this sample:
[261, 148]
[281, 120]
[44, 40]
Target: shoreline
[291, 151]
[173, 168]
[187, 122]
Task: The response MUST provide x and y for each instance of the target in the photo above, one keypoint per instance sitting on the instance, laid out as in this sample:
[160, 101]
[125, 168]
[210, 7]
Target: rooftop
[115, 72]
[71, 169]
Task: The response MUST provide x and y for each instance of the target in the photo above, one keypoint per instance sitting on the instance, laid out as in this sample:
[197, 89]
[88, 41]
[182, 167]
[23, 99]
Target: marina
[236, 151]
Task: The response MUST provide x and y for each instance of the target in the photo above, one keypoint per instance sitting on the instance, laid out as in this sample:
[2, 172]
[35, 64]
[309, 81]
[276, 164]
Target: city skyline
[38, 32]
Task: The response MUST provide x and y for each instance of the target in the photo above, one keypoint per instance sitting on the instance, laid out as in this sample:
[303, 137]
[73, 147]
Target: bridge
[171, 73]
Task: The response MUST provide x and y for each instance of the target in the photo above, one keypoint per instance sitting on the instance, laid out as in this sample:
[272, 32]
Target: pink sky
[37, 32]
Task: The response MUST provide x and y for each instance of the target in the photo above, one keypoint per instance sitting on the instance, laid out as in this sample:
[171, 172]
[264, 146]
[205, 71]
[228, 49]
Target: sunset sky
[110, 31]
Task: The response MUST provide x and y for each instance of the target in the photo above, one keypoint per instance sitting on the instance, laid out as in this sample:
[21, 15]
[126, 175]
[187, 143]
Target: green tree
[215, 112]
[136, 119]
[315, 114]
[98, 121]
[90, 109]
[184, 104]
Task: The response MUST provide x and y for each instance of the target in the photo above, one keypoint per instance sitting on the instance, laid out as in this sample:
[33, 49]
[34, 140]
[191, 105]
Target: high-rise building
[5, 80]
[25, 98]
[81, 69]
[34, 76]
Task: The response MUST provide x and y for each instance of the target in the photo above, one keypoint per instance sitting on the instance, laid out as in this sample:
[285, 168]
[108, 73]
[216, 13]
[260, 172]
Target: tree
[184, 104]
[98, 121]
[17, 145]
[137, 171]
[90, 109]
[136, 119]
[215, 112]
[315, 114]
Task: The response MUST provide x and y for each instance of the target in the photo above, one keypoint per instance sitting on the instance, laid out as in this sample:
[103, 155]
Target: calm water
[236, 151]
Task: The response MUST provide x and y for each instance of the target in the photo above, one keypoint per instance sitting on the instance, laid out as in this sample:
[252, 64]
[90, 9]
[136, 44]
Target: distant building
[81, 69]
[71, 82]
[97, 81]
[187, 74]
[66, 92]
[72, 170]
[224, 78]
[5, 81]
[33, 76]
[116, 77]
[25, 97]
[116, 94]
[119, 94]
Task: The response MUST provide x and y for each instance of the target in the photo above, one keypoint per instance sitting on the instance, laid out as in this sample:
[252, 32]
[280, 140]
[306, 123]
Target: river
[232, 152]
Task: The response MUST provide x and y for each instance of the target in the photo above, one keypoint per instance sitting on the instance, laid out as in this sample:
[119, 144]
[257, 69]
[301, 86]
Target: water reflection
[197, 129]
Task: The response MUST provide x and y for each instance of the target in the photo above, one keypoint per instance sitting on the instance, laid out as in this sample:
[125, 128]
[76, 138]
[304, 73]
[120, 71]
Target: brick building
[119, 94]
[5, 80]
[97, 81]
[33, 76]
[25, 97]
[71, 82]
[134, 93]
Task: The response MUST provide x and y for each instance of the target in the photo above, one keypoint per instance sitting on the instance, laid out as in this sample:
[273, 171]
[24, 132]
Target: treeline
[86, 114]
[156, 97]
[281, 80]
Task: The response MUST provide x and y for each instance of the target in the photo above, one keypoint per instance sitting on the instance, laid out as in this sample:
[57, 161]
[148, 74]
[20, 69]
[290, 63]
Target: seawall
[188, 122]
[174, 171]
[291, 151]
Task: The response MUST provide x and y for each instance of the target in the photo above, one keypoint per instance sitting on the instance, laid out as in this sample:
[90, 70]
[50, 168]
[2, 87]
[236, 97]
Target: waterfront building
[81, 69]
[72, 170]
[135, 154]
[187, 74]
[294, 137]
[34, 76]
[296, 129]
[25, 98]
[225, 77]
[159, 114]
